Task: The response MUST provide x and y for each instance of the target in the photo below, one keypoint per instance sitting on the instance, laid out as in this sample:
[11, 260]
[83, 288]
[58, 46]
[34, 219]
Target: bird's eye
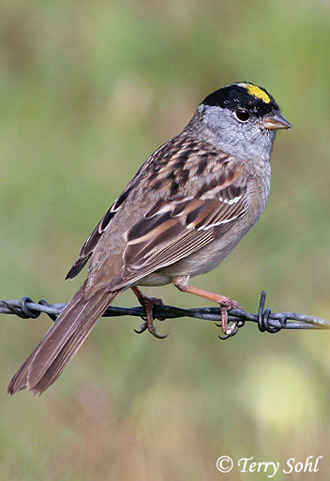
[242, 115]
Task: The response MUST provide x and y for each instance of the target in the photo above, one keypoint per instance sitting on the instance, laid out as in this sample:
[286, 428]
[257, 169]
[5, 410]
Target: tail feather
[61, 342]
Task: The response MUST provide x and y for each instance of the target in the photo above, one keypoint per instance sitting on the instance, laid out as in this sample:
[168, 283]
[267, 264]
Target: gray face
[245, 140]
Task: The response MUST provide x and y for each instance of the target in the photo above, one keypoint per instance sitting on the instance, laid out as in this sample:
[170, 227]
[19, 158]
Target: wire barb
[263, 317]
[266, 320]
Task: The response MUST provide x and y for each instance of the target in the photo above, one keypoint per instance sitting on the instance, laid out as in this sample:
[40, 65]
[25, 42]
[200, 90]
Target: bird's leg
[224, 302]
[148, 303]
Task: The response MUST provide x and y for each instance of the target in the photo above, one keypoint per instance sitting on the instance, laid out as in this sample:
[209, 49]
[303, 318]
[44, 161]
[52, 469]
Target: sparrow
[181, 214]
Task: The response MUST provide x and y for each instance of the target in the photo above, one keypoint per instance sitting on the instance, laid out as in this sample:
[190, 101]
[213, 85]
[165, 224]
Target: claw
[151, 329]
[155, 333]
[143, 327]
[225, 303]
[148, 303]
[229, 330]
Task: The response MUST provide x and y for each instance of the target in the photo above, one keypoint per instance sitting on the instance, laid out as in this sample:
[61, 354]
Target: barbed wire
[266, 320]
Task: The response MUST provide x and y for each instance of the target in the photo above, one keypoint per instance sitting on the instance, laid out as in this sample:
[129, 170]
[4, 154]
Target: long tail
[61, 342]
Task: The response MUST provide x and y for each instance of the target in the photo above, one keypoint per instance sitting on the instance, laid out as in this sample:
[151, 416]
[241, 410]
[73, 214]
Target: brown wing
[177, 225]
[92, 241]
[158, 159]
[172, 230]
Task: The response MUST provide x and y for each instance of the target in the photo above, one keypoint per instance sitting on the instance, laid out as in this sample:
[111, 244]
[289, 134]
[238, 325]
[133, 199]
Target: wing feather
[172, 230]
[177, 224]
[92, 241]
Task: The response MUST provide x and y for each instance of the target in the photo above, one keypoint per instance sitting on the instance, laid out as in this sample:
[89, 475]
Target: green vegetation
[88, 91]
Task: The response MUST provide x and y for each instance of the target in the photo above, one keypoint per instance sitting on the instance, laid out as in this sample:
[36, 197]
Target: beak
[275, 121]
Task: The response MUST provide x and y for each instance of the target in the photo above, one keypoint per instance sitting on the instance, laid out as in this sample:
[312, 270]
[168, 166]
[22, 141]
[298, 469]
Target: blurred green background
[88, 91]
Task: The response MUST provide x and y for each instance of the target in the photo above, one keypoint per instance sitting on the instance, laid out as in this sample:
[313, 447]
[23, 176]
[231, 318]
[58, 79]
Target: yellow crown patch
[256, 92]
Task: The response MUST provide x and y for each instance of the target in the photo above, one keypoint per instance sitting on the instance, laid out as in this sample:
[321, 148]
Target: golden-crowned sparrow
[185, 209]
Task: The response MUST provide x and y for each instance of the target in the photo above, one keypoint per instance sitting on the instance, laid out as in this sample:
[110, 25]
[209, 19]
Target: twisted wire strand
[266, 320]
